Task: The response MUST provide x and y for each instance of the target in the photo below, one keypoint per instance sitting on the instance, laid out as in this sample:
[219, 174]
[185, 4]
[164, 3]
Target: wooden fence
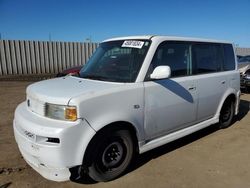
[243, 51]
[19, 57]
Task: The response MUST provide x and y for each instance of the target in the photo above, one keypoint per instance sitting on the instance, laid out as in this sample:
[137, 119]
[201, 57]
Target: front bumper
[50, 146]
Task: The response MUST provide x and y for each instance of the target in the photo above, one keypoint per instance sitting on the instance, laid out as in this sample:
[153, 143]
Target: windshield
[116, 61]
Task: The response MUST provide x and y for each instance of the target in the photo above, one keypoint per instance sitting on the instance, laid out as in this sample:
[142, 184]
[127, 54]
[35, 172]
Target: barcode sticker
[133, 44]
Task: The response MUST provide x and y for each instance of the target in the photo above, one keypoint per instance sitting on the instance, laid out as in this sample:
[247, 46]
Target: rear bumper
[237, 106]
[49, 146]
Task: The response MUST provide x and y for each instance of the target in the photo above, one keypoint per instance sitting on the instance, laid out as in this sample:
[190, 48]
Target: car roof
[170, 38]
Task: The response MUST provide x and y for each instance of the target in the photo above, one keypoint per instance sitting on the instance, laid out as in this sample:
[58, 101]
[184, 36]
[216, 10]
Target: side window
[207, 57]
[174, 54]
[229, 59]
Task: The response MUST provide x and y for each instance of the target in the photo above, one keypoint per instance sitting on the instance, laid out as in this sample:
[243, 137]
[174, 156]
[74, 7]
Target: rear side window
[229, 59]
[208, 58]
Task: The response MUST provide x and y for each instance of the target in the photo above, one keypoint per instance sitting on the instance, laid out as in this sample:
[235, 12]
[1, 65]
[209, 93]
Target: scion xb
[134, 94]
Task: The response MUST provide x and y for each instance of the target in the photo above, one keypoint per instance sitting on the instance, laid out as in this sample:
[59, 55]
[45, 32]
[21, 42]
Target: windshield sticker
[132, 44]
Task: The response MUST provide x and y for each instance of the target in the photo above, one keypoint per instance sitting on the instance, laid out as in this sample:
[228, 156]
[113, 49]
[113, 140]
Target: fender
[96, 128]
[228, 92]
[111, 118]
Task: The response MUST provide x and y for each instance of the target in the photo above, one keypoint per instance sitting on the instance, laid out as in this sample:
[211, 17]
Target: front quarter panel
[124, 103]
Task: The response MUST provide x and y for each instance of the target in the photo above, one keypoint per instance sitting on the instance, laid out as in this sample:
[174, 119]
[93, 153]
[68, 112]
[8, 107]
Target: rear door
[212, 82]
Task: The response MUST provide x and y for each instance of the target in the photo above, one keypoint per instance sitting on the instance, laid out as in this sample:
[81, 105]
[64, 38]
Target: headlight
[61, 112]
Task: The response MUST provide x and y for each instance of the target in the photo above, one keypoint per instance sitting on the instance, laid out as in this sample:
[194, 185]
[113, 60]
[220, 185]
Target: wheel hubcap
[112, 155]
[227, 113]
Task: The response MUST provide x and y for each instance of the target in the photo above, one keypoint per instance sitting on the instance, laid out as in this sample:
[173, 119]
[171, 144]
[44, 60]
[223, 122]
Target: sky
[81, 20]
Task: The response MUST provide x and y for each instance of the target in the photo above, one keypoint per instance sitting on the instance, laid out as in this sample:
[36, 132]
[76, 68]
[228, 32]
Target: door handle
[191, 88]
[223, 82]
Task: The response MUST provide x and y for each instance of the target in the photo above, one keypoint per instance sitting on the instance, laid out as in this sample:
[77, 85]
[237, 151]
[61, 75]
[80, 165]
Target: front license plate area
[29, 135]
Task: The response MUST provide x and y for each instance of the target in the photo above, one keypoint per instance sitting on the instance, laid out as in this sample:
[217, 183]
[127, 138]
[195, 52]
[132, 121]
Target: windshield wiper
[94, 77]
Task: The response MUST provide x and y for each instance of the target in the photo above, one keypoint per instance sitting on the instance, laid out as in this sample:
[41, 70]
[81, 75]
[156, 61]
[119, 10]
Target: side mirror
[161, 72]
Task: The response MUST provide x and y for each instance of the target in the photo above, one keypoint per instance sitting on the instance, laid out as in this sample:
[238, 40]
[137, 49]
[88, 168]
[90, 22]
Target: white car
[134, 94]
[244, 68]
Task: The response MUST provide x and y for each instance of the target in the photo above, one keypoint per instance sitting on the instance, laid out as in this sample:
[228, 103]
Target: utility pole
[50, 37]
[88, 39]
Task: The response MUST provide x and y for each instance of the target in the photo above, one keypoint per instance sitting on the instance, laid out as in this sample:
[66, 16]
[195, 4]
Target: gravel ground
[208, 158]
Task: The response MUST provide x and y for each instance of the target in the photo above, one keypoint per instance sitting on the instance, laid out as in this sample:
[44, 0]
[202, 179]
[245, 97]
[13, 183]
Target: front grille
[36, 105]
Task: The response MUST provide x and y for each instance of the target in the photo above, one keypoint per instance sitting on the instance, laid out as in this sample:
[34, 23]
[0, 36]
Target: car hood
[61, 90]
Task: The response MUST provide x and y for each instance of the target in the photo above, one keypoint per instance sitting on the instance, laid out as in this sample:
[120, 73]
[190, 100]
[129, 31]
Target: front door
[170, 104]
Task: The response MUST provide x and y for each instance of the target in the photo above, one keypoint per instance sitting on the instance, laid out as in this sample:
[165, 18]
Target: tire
[247, 89]
[226, 114]
[111, 154]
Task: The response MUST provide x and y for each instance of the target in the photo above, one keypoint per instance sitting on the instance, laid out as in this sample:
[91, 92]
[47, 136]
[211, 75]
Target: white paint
[186, 104]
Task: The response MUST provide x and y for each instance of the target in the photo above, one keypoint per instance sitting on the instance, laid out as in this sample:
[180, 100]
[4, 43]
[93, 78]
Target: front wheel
[226, 114]
[111, 155]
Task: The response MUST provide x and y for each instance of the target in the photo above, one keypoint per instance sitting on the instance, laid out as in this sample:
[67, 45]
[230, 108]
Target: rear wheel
[226, 114]
[111, 154]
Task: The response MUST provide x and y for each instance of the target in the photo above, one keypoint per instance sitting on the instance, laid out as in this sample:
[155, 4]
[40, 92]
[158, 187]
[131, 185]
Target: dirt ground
[208, 158]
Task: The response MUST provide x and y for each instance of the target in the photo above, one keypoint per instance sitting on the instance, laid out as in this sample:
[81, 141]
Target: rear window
[229, 59]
